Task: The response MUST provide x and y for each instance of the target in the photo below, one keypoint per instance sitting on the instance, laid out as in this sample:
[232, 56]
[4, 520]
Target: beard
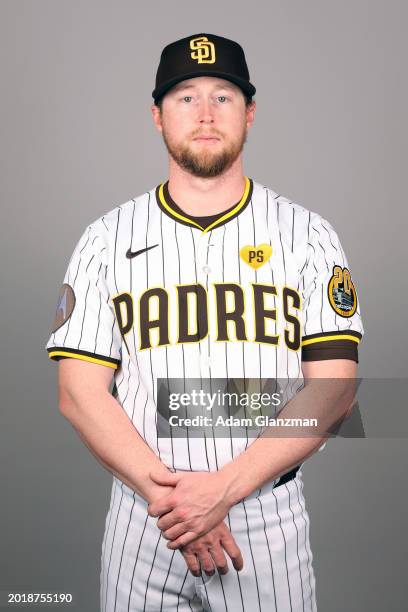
[205, 163]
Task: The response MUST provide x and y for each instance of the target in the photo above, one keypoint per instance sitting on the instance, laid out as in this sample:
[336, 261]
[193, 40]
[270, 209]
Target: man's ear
[250, 114]
[156, 114]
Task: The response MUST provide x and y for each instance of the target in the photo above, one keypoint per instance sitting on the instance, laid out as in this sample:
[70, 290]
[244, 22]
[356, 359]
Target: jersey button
[206, 269]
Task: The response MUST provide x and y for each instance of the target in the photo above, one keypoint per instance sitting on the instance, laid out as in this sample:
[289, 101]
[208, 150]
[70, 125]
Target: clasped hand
[198, 502]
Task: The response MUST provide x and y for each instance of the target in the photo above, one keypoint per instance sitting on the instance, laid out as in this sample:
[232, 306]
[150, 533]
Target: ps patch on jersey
[341, 292]
[65, 306]
[256, 256]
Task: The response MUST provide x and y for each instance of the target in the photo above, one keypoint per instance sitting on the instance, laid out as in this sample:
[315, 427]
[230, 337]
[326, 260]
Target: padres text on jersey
[153, 294]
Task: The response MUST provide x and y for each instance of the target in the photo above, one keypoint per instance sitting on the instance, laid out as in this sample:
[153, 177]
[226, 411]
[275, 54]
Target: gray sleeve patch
[65, 306]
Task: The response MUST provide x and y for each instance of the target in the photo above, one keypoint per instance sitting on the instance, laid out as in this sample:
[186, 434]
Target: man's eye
[186, 98]
[222, 98]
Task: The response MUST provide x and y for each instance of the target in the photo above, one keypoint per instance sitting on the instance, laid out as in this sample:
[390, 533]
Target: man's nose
[206, 112]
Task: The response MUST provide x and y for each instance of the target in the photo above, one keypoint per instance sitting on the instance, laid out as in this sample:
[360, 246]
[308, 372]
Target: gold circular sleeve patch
[65, 306]
[341, 292]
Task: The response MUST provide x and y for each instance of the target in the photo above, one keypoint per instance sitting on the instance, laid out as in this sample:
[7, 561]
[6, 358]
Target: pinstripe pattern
[271, 525]
[271, 528]
[276, 526]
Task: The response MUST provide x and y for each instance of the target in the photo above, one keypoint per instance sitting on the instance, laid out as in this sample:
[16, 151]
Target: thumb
[165, 478]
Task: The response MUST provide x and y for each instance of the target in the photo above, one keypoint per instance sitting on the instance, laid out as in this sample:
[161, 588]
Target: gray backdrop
[77, 140]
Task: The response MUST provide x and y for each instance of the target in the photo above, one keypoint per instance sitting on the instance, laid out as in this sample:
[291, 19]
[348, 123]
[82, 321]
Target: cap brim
[246, 86]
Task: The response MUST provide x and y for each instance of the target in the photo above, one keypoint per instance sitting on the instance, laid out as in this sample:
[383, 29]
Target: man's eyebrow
[180, 86]
[226, 86]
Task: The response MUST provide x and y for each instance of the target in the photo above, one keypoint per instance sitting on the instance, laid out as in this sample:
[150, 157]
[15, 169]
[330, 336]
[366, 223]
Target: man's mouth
[207, 138]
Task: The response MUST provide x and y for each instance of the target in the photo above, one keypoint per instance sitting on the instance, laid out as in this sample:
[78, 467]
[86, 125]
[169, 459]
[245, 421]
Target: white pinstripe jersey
[262, 288]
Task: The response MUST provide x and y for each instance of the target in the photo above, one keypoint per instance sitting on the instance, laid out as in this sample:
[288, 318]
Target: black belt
[286, 477]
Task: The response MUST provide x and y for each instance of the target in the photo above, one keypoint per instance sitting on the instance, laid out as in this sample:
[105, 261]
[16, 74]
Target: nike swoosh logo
[130, 255]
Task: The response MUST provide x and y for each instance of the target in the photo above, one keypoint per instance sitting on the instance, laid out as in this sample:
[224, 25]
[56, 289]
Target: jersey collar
[166, 204]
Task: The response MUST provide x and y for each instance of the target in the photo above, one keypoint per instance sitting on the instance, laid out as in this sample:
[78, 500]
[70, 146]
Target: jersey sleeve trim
[345, 334]
[57, 352]
[331, 345]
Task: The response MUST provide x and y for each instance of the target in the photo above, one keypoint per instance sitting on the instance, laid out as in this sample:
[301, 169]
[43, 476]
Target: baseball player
[209, 275]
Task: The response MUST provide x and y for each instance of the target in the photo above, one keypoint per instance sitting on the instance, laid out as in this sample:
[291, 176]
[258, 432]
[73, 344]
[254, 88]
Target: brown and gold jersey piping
[168, 209]
[341, 344]
[60, 352]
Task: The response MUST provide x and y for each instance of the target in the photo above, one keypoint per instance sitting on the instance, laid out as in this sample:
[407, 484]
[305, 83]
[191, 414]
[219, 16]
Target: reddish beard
[205, 164]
